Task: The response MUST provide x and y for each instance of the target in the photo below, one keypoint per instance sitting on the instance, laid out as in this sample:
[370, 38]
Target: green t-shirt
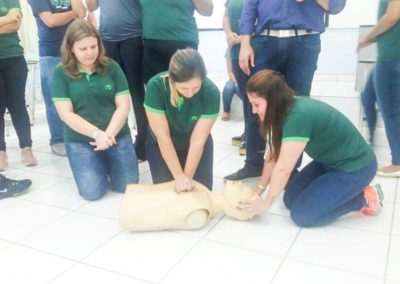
[92, 96]
[169, 20]
[9, 43]
[388, 43]
[331, 138]
[234, 8]
[181, 119]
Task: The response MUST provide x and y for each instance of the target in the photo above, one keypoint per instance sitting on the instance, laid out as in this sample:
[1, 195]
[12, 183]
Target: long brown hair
[76, 31]
[271, 86]
[185, 64]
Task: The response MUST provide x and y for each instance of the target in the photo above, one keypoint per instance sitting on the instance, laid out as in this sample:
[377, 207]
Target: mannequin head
[235, 191]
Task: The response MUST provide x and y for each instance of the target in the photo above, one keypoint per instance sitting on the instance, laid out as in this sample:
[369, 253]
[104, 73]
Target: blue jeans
[230, 89]
[296, 59]
[47, 66]
[387, 82]
[161, 173]
[318, 195]
[368, 99]
[97, 171]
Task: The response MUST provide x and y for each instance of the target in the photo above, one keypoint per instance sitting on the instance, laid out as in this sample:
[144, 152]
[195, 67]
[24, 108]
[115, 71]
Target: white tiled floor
[52, 235]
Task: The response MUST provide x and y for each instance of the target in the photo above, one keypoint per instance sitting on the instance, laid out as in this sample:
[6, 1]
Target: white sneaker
[58, 149]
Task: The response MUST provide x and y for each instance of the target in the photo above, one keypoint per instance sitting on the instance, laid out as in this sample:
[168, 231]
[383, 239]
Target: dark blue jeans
[56, 126]
[318, 195]
[161, 173]
[387, 82]
[296, 59]
[129, 54]
[13, 74]
[230, 89]
[97, 171]
[368, 99]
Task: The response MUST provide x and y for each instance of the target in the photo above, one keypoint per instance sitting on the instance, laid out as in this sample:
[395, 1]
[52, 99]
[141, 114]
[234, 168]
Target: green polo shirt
[181, 119]
[388, 43]
[169, 20]
[331, 138]
[9, 43]
[92, 96]
[234, 9]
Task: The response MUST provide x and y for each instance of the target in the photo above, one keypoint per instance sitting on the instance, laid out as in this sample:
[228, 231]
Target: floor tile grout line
[285, 256]
[387, 261]
[199, 240]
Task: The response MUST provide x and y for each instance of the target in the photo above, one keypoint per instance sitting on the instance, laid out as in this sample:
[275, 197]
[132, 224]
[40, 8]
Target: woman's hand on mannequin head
[184, 183]
[256, 205]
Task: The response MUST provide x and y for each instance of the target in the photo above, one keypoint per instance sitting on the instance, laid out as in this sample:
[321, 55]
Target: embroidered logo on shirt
[61, 4]
[108, 87]
[194, 118]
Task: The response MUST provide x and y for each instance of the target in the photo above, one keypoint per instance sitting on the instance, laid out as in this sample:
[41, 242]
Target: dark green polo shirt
[9, 43]
[234, 9]
[92, 96]
[169, 20]
[331, 138]
[181, 119]
[388, 43]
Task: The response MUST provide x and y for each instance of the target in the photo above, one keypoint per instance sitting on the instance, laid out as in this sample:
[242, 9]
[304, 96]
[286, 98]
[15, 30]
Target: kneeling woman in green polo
[91, 96]
[181, 106]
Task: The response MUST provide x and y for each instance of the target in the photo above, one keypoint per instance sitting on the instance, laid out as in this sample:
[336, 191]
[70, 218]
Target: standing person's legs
[122, 164]
[387, 82]
[15, 80]
[302, 56]
[47, 66]
[131, 54]
[3, 154]
[227, 95]
[368, 99]
[330, 195]
[89, 168]
[266, 57]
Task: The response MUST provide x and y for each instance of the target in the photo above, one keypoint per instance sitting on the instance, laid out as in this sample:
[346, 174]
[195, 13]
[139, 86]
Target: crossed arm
[53, 20]
[11, 22]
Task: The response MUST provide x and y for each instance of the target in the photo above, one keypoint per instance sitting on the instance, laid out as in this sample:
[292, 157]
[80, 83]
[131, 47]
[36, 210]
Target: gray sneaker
[58, 149]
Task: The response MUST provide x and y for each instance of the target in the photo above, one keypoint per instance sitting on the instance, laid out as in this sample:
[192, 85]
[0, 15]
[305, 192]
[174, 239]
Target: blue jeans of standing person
[13, 74]
[318, 195]
[47, 66]
[387, 82]
[368, 99]
[296, 59]
[160, 172]
[230, 89]
[97, 171]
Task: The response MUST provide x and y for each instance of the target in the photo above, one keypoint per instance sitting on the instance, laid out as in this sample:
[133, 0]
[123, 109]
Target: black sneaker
[244, 173]
[10, 187]
[237, 140]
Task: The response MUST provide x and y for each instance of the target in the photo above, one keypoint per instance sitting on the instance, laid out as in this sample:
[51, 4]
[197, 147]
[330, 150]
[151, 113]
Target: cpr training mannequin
[160, 207]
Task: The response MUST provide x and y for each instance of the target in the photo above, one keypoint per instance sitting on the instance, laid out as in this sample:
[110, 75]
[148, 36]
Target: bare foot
[225, 116]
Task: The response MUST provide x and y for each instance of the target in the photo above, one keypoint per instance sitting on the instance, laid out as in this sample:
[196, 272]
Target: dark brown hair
[76, 31]
[271, 86]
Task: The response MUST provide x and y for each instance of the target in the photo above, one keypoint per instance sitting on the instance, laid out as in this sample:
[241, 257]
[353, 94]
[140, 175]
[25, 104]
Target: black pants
[13, 75]
[157, 55]
[128, 54]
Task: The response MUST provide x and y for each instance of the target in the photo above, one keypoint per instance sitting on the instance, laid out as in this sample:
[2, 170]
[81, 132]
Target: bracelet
[95, 133]
[261, 187]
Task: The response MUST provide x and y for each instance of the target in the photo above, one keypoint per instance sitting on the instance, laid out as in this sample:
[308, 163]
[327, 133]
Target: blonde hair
[76, 31]
[185, 64]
